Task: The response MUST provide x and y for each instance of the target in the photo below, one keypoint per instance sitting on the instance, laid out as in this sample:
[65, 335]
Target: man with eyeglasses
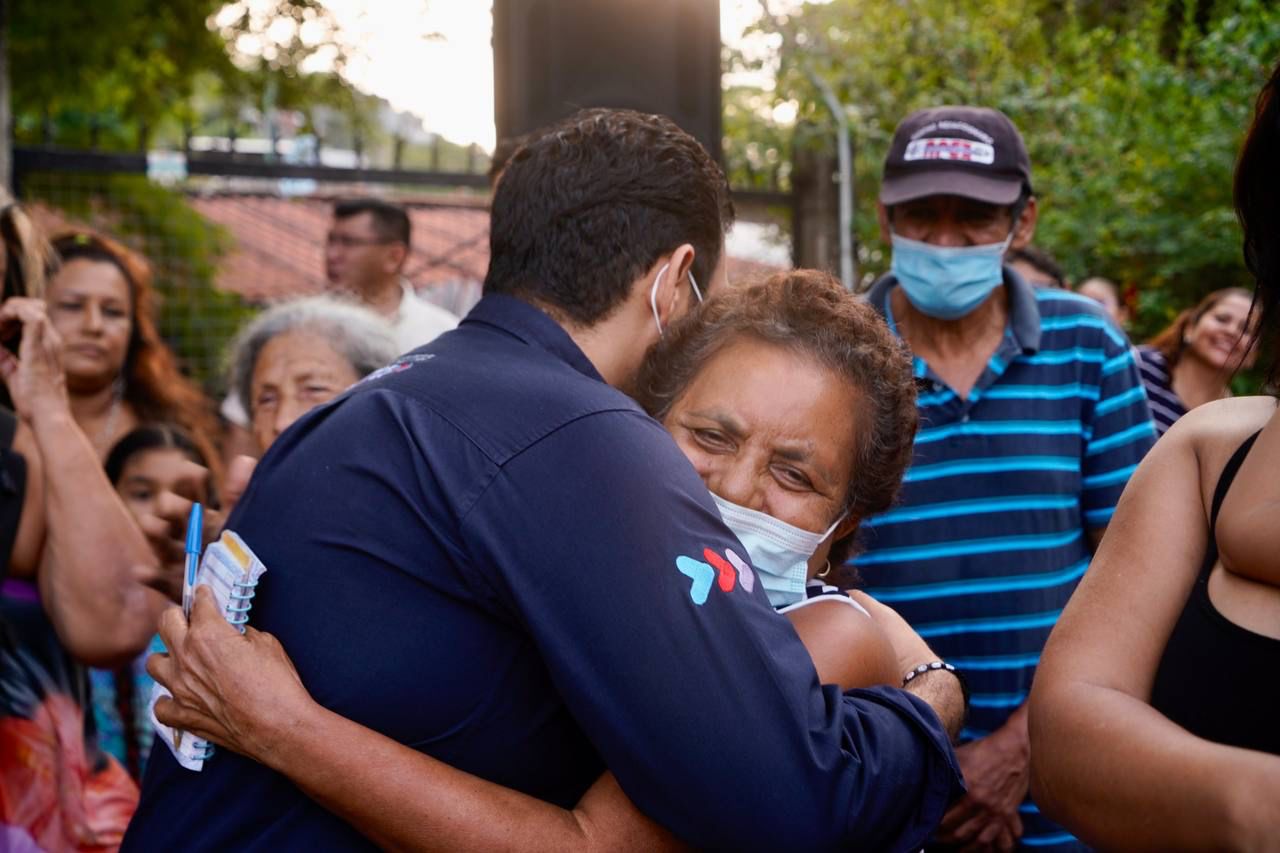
[1032, 418]
[364, 256]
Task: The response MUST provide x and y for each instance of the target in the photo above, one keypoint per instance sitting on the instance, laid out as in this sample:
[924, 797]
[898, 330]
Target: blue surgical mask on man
[779, 552]
[947, 282]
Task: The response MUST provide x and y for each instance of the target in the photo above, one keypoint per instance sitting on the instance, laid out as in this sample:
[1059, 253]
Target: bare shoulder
[847, 646]
[1214, 431]
[834, 615]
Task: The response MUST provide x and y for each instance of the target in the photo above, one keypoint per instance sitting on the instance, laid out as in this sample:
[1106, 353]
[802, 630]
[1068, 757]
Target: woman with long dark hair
[1153, 717]
[119, 371]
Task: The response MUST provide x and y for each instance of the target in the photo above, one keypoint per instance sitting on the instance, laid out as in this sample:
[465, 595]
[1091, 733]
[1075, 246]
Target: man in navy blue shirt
[483, 552]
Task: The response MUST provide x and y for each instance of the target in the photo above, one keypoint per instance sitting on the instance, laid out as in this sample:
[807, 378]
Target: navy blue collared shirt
[490, 555]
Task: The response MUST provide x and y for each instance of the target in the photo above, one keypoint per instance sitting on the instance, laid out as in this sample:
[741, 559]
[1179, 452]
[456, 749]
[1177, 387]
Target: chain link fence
[225, 239]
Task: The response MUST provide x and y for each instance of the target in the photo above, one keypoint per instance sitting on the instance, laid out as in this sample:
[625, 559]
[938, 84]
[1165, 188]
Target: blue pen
[195, 530]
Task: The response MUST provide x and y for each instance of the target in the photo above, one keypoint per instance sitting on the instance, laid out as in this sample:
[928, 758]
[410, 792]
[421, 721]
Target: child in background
[148, 462]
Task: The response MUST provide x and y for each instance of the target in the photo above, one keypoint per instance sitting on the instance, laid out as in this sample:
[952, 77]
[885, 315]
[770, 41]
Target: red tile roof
[279, 242]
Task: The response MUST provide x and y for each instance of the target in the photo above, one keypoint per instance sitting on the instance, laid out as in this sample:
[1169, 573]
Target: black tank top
[1216, 679]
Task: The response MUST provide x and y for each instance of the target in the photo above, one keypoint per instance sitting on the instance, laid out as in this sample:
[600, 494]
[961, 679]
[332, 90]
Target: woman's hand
[239, 472]
[165, 527]
[35, 378]
[240, 691]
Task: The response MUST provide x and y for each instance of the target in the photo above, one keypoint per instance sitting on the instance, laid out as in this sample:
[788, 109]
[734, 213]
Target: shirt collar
[1024, 311]
[532, 325]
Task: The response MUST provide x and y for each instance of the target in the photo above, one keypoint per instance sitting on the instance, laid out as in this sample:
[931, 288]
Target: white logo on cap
[942, 148]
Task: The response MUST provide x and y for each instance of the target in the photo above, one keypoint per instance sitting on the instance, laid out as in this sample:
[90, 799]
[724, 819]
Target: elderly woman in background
[1153, 716]
[297, 355]
[1192, 361]
[796, 406]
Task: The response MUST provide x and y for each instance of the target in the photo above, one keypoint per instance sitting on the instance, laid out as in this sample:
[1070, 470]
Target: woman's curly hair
[809, 313]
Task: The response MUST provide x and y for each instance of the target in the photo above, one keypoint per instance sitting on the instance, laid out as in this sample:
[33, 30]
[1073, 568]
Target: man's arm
[95, 561]
[242, 692]
[597, 536]
[941, 691]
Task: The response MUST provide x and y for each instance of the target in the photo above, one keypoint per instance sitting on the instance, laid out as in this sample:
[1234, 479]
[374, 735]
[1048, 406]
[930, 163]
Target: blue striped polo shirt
[989, 537]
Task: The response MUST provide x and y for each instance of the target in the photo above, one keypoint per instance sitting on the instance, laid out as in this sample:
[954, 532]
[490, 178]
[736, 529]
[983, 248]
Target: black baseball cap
[973, 152]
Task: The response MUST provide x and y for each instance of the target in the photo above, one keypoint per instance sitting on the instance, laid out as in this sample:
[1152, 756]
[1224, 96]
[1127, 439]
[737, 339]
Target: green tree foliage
[127, 74]
[1133, 114]
[109, 70]
[114, 73]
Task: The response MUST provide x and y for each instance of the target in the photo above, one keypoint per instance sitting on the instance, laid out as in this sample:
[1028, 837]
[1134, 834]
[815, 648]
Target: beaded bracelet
[941, 665]
[926, 667]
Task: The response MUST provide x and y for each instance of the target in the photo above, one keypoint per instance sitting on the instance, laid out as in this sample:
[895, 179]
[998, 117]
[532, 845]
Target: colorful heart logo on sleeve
[725, 574]
[701, 574]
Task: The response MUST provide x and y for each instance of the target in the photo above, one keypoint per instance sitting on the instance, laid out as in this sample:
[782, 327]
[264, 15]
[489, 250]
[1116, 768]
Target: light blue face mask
[947, 282]
[779, 551]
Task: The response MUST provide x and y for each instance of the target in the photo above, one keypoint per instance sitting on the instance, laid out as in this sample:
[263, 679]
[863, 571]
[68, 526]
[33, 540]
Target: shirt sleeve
[699, 697]
[1120, 431]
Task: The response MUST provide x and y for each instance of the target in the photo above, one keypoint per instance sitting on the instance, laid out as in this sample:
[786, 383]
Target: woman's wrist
[49, 415]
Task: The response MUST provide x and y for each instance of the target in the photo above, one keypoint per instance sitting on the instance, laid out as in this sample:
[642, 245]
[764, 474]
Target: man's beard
[629, 385]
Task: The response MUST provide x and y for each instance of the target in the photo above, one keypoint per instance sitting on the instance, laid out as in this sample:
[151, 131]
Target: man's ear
[396, 255]
[1026, 227]
[675, 282]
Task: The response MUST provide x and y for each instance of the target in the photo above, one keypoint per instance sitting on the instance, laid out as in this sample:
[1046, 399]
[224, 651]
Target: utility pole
[848, 265]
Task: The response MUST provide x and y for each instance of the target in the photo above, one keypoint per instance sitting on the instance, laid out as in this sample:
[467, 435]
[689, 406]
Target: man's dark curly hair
[809, 313]
[583, 208]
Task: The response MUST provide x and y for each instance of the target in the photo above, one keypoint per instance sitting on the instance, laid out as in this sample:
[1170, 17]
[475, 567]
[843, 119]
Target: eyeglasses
[346, 241]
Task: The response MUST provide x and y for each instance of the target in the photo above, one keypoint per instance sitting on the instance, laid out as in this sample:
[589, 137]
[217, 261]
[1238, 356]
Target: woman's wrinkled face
[294, 373]
[89, 305]
[1222, 338]
[772, 431]
[150, 473]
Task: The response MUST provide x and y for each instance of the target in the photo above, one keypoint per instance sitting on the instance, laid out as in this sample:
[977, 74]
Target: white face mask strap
[697, 291]
[653, 296]
[835, 524]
